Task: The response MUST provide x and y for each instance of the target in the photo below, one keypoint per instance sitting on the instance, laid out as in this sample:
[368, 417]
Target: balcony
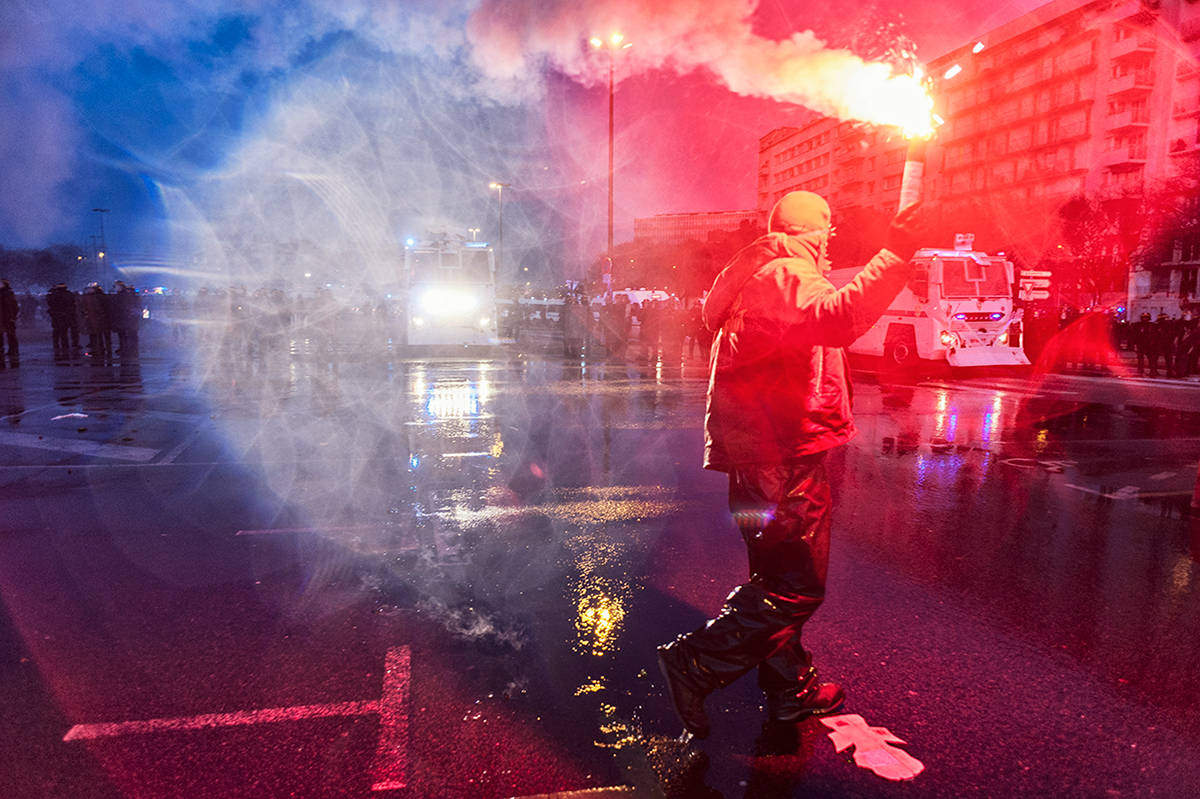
[1139, 82]
[849, 131]
[1183, 147]
[1124, 158]
[1133, 46]
[1128, 120]
[1187, 107]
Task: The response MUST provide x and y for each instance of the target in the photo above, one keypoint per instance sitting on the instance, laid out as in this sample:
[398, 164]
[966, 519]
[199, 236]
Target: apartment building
[694, 226]
[850, 164]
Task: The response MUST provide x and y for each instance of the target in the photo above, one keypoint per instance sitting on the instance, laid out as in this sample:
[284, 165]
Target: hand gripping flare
[872, 747]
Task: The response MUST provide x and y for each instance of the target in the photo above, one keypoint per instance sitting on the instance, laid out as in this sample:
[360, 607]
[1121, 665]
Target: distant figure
[575, 319]
[60, 305]
[126, 317]
[1141, 338]
[10, 309]
[95, 307]
[1188, 349]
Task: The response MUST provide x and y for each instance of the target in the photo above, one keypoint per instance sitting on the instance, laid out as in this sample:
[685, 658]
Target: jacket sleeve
[839, 316]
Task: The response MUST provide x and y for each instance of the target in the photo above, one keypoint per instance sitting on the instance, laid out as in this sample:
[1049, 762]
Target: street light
[500, 187]
[103, 245]
[614, 42]
[474, 231]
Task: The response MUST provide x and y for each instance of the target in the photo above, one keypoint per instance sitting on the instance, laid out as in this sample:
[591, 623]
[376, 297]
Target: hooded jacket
[779, 383]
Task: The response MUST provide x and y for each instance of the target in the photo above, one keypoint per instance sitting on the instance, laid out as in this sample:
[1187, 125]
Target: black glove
[906, 232]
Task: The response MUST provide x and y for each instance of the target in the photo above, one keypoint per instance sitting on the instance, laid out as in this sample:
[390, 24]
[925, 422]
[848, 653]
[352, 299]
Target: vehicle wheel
[899, 354]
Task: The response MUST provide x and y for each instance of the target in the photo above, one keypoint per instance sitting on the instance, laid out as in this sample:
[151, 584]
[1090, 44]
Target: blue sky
[252, 139]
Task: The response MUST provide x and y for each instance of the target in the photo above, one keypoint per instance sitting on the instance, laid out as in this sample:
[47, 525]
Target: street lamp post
[613, 43]
[500, 187]
[103, 246]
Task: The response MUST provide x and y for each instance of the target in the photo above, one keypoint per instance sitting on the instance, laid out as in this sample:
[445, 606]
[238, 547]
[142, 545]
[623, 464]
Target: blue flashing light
[410, 242]
[997, 316]
[478, 245]
[960, 316]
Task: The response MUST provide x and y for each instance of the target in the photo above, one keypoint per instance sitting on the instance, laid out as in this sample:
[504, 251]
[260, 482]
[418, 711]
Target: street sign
[1028, 295]
[1035, 273]
[1035, 283]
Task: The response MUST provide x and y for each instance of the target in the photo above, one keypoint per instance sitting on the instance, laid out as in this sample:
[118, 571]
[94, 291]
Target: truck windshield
[449, 266]
[475, 266]
[966, 277]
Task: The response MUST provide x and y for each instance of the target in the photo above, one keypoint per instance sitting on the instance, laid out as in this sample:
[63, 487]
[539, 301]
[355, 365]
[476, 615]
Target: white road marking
[389, 769]
[391, 757]
[84, 732]
[78, 447]
[178, 449]
[1128, 492]
[361, 528]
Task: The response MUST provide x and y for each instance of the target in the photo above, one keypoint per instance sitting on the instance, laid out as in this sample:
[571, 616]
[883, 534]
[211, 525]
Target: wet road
[446, 578]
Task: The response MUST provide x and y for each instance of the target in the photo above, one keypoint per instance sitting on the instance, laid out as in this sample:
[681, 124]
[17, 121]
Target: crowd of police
[242, 325]
[1091, 340]
[232, 322]
[1174, 340]
[664, 328]
[98, 315]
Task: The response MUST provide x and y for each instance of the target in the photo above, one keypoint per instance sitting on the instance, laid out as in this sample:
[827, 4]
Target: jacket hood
[728, 285]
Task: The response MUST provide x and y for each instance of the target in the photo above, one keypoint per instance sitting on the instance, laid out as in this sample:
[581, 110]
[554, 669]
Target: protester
[10, 309]
[779, 400]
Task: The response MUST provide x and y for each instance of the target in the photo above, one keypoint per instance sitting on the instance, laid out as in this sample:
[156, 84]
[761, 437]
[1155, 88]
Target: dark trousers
[9, 332]
[59, 335]
[784, 514]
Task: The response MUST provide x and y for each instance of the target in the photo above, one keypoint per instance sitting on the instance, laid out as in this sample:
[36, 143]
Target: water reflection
[12, 396]
[1014, 503]
[601, 586]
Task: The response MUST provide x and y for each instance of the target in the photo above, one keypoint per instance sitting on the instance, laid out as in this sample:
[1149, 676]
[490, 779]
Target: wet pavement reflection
[549, 519]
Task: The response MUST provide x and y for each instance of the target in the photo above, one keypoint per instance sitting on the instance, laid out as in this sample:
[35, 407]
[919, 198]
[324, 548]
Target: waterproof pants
[783, 513]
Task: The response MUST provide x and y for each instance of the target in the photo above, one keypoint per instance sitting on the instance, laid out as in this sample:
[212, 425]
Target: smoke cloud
[102, 98]
[514, 40]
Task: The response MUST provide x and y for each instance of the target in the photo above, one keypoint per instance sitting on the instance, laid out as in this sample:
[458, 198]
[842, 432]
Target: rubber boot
[794, 692]
[752, 626]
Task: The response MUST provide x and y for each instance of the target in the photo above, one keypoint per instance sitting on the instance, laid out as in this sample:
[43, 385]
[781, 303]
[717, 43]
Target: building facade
[670, 228]
[850, 164]
[1080, 97]
[1094, 97]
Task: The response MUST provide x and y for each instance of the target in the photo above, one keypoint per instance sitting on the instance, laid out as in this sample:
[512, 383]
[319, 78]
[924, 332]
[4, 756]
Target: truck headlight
[949, 339]
[448, 302]
[1004, 339]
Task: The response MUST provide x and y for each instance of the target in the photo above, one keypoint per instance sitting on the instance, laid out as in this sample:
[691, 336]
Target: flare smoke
[513, 39]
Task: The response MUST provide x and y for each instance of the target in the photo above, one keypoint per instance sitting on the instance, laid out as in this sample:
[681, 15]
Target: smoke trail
[514, 39]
